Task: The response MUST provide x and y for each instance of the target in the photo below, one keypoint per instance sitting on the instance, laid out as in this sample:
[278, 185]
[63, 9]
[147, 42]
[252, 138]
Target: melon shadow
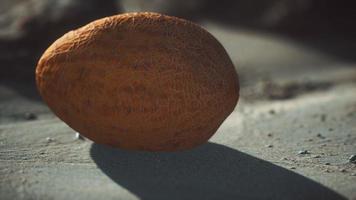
[211, 171]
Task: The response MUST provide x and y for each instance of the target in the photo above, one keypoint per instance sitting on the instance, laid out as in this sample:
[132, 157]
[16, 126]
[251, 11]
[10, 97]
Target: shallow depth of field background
[292, 135]
[319, 27]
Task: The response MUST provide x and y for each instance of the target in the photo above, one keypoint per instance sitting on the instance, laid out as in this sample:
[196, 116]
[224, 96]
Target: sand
[294, 98]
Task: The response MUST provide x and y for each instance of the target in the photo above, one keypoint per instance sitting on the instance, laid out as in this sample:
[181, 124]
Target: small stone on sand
[303, 152]
[342, 170]
[78, 136]
[352, 159]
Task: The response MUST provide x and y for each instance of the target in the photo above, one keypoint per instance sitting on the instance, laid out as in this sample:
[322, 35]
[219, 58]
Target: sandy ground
[293, 99]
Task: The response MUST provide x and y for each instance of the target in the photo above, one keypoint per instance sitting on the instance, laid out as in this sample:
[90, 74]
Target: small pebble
[292, 168]
[30, 116]
[269, 146]
[269, 134]
[303, 152]
[327, 163]
[352, 159]
[78, 136]
[49, 139]
[316, 156]
[353, 174]
[342, 170]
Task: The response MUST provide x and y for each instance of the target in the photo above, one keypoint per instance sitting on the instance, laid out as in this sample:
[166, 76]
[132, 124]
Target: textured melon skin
[140, 81]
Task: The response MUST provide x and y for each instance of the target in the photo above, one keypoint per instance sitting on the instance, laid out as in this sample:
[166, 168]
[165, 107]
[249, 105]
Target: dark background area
[28, 27]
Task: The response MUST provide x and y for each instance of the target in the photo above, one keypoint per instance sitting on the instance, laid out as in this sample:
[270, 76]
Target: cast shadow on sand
[211, 171]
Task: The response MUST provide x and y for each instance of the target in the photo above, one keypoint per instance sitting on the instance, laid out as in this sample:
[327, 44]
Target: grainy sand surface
[293, 99]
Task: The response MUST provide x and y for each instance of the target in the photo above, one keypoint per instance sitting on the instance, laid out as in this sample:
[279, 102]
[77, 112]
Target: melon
[140, 81]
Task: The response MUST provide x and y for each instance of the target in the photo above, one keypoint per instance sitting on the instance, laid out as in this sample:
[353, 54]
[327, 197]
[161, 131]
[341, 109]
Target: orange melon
[140, 81]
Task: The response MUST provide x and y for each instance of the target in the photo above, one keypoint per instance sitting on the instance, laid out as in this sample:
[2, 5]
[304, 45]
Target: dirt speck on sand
[30, 116]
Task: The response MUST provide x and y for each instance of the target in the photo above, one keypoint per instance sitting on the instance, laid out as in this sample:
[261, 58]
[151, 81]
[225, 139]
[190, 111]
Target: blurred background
[296, 117]
[285, 35]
